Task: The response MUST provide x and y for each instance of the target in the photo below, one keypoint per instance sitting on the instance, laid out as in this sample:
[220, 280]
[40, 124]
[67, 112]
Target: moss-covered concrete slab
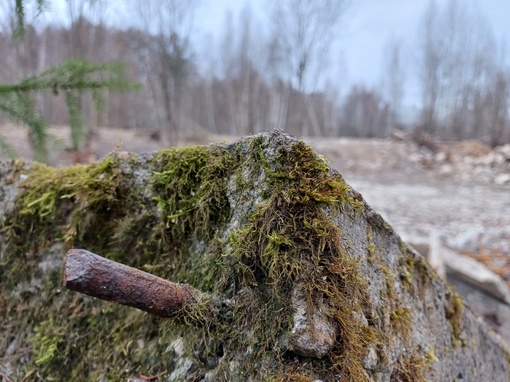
[307, 282]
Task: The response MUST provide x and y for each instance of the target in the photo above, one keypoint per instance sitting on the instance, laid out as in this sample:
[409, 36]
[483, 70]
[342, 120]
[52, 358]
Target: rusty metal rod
[108, 280]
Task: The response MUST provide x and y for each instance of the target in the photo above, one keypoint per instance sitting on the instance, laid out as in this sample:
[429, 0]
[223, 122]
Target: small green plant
[72, 78]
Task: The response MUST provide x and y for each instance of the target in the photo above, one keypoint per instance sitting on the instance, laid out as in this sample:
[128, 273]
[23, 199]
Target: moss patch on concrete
[247, 223]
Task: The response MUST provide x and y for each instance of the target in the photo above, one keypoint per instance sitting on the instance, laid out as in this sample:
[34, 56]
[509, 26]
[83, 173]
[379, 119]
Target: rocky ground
[460, 193]
[418, 192]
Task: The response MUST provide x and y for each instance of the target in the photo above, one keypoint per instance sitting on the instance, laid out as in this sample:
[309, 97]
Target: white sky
[374, 22]
[369, 25]
[358, 53]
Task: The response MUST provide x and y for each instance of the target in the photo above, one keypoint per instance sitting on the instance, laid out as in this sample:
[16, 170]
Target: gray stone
[502, 179]
[358, 298]
[468, 269]
[313, 334]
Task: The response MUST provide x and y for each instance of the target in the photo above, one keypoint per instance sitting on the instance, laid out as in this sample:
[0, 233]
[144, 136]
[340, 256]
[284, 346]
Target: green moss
[290, 240]
[453, 312]
[372, 248]
[400, 319]
[60, 205]
[98, 207]
[179, 226]
[47, 346]
[407, 268]
[431, 356]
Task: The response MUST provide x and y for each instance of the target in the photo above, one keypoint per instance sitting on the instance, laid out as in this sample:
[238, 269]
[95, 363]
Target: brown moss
[411, 369]
[453, 312]
[401, 323]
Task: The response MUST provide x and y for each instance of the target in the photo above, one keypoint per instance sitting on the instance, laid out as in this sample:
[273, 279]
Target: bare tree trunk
[172, 22]
[209, 101]
[303, 34]
[312, 117]
[167, 129]
[279, 106]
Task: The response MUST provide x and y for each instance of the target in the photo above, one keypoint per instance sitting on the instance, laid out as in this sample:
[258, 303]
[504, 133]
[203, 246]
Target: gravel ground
[414, 196]
[416, 209]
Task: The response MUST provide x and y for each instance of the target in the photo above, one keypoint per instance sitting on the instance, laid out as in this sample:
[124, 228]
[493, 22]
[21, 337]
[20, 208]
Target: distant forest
[253, 82]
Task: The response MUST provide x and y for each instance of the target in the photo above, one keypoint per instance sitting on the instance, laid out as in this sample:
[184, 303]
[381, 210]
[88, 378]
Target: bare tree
[304, 31]
[431, 59]
[243, 83]
[491, 108]
[500, 105]
[394, 80]
[171, 23]
[279, 90]
[457, 73]
[364, 114]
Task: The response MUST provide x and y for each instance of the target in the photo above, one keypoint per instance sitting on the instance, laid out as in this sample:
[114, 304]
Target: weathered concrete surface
[318, 287]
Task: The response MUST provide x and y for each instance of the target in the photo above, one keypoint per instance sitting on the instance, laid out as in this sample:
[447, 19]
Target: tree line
[252, 81]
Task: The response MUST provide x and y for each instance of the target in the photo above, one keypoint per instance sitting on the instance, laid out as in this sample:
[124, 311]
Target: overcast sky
[372, 23]
[367, 28]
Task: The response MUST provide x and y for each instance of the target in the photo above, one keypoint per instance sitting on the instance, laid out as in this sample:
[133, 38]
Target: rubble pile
[489, 246]
[477, 264]
[474, 161]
